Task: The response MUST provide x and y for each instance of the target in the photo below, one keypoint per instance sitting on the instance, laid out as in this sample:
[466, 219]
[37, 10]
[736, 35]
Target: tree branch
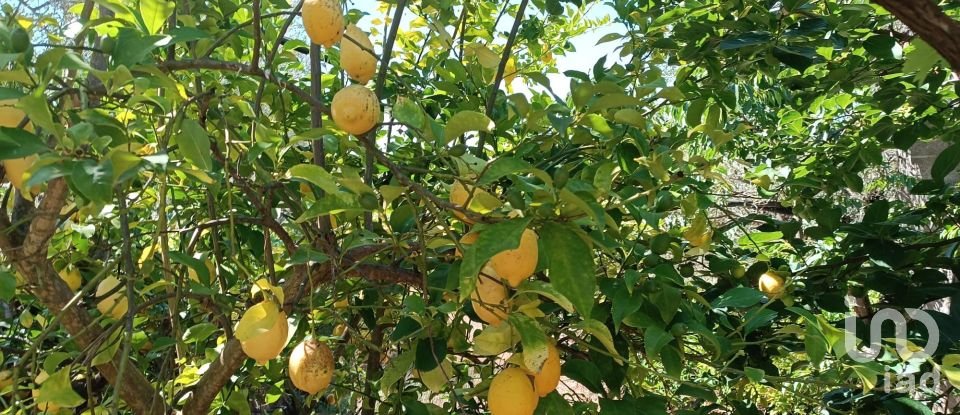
[504, 57]
[216, 65]
[926, 19]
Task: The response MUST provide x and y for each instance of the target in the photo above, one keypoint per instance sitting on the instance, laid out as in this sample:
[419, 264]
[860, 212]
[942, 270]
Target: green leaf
[602, 334]
[759, 238]
[553, 404]
[38, 110]
[132, 48]
[407, 111]
[920, 59]
[585, 373]
[465, 121]
[631, 117]
[501, 167]
[672, 361]
[56, 390]
[93, 181]
[194, 143]
[814, 343]
[547, 290]
[430, 352]
[755, 375]
[203, 274]
[108, 349]
[238, 401]
[868, 374]
[738, 297]
[316, 175]
[199, 332]
[744, 40]
[945, 163]
[8, 285]
[570, 262]
[154, 14]
[397, 368]
[494, 239]
[533, 339]
[654, 339]
[16, 143]
[614, 100]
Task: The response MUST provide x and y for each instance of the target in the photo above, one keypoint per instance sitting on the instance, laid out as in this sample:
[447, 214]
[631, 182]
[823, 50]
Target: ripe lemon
[258, 342]
[458, 197]
[323, 21]
[516, 265]
[71, 276]
[548, 378]
[355, 109]
[116, 304]
[10, 116]
[15, 168]
[311, 366]
[356, 60]
[489, 297]
[511, 393]
[771, 284]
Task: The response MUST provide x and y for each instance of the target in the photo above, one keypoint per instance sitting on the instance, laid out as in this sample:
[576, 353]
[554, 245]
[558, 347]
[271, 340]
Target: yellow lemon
[311, 366]
[547, 379]
[323, 21]
[15, 168]
[355, 109]
[71, 276]
[516, 265]
[511, 393]
[489, 297]
[355, 57]
[262, 331]
[771, 284]
[116, 304]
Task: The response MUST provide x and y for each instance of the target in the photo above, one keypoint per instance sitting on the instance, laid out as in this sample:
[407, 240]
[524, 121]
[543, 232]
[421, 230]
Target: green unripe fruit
[560, 178]
[678, 329]
[686, 270]
[651, 260]
[107, 44]
[19, 40]
[458, 150]
[660, 244]
[738, 271]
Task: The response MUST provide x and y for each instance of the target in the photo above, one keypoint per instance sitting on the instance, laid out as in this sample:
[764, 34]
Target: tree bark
[926, 19]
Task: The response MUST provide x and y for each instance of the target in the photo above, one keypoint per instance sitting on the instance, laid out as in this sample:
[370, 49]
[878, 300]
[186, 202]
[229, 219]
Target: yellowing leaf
[494, 340]
[56, 390]
[264, 285]
[486, 57]
[465, 121]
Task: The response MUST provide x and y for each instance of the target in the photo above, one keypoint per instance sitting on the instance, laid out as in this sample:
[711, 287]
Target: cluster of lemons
[515, 390]
[263, 333]
[355, 109]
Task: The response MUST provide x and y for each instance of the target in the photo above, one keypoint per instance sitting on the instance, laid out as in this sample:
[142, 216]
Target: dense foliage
[187, 150]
